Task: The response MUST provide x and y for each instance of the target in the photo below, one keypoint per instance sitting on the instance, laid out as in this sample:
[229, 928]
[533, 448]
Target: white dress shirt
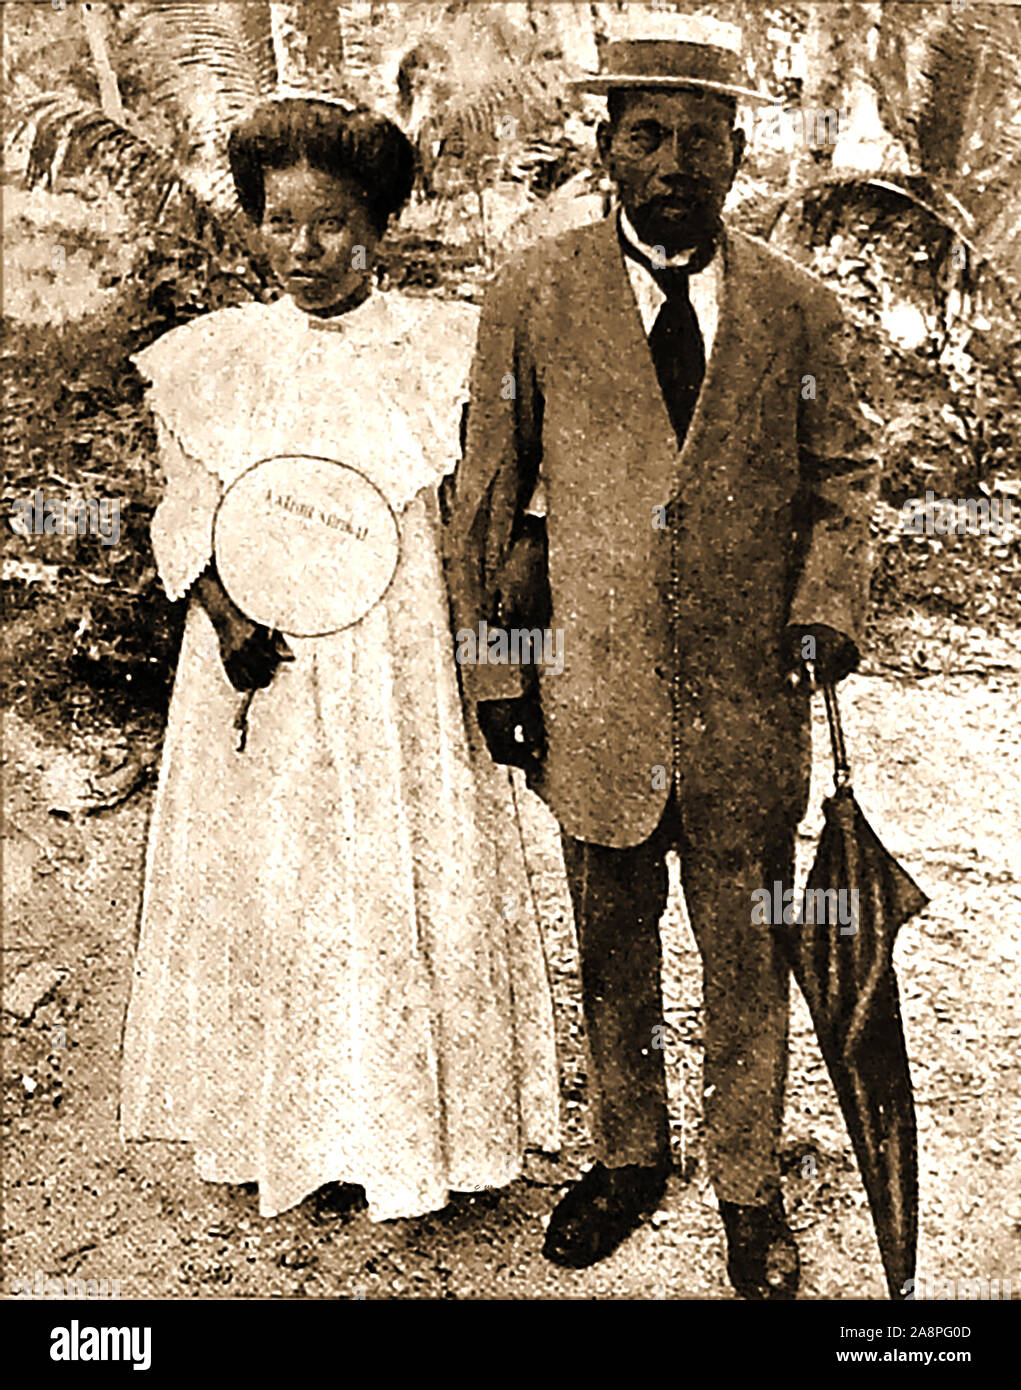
[703, 287]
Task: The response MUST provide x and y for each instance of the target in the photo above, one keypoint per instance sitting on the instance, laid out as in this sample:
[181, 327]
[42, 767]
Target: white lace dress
[339, 975]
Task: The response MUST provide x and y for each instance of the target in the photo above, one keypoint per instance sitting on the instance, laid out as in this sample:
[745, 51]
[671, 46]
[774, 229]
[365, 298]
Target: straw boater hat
[690, 53]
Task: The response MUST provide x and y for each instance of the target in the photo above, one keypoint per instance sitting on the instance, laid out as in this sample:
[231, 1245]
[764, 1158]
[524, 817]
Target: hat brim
[601, 85]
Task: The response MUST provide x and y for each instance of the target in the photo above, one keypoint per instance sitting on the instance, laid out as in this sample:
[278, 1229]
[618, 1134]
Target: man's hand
[833, 655]
[514, 731]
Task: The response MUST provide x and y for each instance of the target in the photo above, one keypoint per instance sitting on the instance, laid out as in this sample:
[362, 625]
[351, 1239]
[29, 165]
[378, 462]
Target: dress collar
[372, 307]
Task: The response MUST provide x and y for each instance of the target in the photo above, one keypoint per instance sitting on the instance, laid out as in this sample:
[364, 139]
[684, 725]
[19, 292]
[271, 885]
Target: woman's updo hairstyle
[347, 142]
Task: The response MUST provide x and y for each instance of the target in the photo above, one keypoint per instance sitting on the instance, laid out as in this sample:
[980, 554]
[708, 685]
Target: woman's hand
[250, 653]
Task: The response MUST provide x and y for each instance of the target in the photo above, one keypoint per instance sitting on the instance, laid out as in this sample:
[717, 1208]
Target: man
[678, 394]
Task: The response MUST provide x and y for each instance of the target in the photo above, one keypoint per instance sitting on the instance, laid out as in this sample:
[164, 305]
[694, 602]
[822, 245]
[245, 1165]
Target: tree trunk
[279, 26]
[94, 19]
[865, 145]
[575, 29]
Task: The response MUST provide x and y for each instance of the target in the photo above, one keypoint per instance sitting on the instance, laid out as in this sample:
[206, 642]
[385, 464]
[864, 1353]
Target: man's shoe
[601, 1211]
[762, 1254]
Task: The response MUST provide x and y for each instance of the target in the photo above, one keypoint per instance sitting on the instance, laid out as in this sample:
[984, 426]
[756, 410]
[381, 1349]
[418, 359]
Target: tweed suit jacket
[765, 508]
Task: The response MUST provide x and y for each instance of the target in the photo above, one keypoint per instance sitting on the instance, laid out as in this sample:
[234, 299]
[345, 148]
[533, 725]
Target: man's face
[318, 235]
[673, 157]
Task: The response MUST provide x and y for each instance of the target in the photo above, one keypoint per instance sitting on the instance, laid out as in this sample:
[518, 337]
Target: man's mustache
[697, 196]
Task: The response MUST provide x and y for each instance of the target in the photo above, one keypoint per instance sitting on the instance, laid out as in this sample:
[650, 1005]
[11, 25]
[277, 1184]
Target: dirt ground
[937, 773]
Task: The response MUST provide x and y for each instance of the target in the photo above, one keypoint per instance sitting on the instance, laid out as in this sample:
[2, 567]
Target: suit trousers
[619, 896]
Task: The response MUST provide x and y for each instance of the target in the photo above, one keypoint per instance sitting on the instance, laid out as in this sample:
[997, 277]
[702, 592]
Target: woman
[330, 986]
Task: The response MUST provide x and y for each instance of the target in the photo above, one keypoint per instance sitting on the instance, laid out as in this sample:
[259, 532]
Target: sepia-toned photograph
[512, 662]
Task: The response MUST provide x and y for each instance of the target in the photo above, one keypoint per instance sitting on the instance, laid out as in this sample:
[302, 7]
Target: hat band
[671, 60]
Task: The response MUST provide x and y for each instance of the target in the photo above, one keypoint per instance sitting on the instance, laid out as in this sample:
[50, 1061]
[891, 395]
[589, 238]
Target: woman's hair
[356, 143]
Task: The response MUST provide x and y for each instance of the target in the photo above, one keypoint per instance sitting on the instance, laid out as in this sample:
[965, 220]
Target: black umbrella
[844, 966]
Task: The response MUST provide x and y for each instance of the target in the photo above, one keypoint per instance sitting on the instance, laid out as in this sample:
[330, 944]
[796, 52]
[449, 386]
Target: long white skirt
[339, 974]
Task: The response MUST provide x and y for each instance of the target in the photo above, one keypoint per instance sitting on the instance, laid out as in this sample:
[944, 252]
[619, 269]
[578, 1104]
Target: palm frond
[68, 134]
[211, 63]
[891, 72]
[234, 41]
[968, 124]
[472, 76]
[898, 212]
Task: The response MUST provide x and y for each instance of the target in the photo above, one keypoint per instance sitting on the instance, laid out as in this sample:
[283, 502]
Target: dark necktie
[678, 352]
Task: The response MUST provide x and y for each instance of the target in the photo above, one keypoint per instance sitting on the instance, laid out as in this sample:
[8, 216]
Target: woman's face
[319, 237]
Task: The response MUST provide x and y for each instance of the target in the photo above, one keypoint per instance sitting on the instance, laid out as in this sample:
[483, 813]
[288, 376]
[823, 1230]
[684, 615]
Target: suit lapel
[613, 352]
[742, 353]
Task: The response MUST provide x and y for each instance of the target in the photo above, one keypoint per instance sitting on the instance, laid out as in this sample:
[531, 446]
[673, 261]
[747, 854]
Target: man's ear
[739, 140]
[604, 140]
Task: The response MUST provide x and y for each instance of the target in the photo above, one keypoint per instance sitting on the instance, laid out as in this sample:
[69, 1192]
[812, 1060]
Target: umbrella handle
[841, 766]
